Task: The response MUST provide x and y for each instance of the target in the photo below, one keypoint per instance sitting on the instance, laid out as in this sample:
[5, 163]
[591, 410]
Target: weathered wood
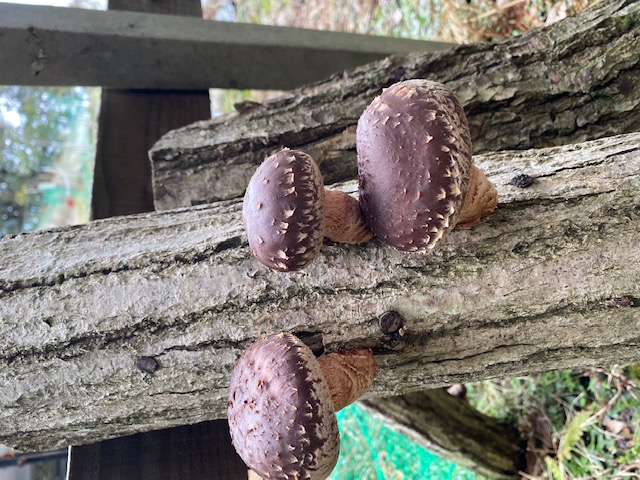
[573, 81]
[131, 121]
[453, 429]
[532, 288]
[192, 452]
[66, 46]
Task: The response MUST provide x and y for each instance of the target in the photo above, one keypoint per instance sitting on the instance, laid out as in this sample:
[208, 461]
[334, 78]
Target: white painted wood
[67, 46]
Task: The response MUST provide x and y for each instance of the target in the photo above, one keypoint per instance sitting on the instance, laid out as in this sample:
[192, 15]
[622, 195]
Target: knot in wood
[391, 323]
[522, 180]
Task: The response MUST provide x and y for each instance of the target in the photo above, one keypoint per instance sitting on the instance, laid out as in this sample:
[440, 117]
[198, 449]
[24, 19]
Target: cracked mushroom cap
[283, 211]
[414, 164]
[281, 416]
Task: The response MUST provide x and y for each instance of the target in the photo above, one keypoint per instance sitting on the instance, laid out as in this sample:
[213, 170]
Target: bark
[573, 81]
[453, 429]
[550, 280]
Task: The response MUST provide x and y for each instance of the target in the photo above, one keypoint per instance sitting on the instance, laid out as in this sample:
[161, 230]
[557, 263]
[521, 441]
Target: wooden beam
[66, 46]
[550, 280]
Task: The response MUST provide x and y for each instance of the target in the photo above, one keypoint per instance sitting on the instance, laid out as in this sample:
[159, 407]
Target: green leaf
[553, 468]
[573, 432]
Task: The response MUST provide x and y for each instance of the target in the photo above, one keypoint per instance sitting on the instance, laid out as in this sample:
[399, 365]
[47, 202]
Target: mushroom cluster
[287, 211]
[416, 177]
[282, 403]
[416, 183]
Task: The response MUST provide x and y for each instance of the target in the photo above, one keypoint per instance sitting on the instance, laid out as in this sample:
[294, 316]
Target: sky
[10, 116]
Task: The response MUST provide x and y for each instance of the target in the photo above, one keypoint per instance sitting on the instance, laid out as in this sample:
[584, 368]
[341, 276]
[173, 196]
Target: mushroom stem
[343, 222]
[348, 374]
[481, 200]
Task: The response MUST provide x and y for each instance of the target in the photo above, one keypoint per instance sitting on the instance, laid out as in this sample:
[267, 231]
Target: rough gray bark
[573, 81]
[537, 286]
[453, 429]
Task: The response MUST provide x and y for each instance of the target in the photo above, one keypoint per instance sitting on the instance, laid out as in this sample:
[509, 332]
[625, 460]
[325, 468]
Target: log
[576, 80]
[550, 280]
[453, 429]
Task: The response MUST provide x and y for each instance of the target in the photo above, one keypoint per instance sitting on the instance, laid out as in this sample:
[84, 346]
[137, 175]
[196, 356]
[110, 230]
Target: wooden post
[193, 452]
[131, 121]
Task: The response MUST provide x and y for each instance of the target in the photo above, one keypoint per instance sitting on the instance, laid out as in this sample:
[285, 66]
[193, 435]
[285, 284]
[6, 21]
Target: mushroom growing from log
[287, 211]
[416, 177]
[281, 405]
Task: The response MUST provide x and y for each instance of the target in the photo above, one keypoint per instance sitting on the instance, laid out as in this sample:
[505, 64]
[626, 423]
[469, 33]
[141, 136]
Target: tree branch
[453, 429]
[532, 288]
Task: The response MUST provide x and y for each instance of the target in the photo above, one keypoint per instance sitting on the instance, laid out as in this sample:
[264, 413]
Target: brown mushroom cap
[414, 163]
[283, 211]
[281, 416]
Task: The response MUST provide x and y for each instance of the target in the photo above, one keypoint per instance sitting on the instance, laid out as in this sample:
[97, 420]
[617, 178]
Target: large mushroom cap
[281, 416]
[414, 163]
[283, 211]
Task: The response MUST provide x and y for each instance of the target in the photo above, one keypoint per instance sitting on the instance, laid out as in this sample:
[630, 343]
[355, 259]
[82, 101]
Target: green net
[371, 451]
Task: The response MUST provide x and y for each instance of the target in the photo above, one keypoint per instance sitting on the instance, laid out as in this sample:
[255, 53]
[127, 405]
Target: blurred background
[585, 423]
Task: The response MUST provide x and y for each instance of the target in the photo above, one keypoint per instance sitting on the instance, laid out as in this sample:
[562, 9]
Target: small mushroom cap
[414, 162]
[281, 416]
[283, 211]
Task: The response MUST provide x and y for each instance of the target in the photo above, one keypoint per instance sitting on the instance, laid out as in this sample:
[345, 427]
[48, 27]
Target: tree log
[550, 280]
[453, 429]
[576, 80]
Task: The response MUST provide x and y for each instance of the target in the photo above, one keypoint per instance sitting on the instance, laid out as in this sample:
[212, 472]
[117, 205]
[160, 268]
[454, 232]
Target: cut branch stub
[415, 168]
